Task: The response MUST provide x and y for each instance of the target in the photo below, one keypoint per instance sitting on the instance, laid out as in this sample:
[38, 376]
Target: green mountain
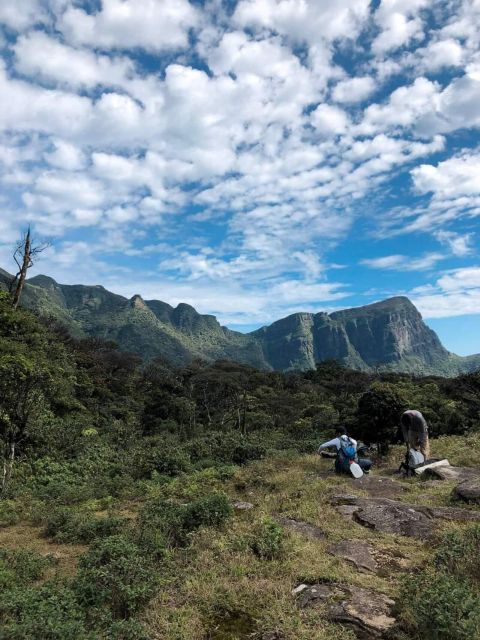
[387, 335]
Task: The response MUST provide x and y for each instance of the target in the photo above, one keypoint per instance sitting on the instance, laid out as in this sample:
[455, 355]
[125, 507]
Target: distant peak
[42, 281]
[137, 302]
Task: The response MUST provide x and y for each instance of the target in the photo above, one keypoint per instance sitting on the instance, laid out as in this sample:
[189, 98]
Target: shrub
[8, 513]
[438, 606]
[169, 524]
[114, 574]
[442, 602]
[49, 611]
[21, 567]
[64, 525]
[267, 541]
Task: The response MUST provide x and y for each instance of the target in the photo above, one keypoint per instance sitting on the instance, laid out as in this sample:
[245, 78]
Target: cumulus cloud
[153, 25]
[353, 90]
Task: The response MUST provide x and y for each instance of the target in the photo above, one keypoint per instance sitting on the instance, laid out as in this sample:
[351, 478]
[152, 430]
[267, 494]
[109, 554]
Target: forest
[126, 462]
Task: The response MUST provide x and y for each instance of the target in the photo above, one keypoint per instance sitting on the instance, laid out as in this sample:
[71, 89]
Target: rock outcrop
[391, 516]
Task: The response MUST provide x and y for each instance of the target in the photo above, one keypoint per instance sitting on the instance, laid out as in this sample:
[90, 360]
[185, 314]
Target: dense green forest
[88, 431]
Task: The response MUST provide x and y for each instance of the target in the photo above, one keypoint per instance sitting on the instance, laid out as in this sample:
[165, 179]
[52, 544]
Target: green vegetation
[116, 518]
[442, 602]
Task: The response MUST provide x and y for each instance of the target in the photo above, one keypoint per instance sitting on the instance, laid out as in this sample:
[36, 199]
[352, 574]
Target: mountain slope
[387, 335]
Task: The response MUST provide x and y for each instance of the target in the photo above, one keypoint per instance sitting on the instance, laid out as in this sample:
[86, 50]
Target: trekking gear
[355, 470]
[413, 460]
[347, 448]
[347, 458]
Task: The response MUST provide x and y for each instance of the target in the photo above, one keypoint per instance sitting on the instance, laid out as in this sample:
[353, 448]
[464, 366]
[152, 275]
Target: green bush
[438, 606]
[8, 513]
[460, 554]
[49, 612]
[21, 567]
[168, 524]
[65, 525]
[442, 602]
[267, 541]
[114, 574]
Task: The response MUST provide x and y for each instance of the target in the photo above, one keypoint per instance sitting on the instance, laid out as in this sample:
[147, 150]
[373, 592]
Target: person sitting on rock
[341, 442]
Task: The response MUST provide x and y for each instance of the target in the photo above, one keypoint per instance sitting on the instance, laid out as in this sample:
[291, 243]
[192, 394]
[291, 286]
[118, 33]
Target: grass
[218, 588]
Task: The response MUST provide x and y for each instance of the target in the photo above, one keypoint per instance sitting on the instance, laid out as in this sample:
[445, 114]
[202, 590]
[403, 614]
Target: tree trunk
[22, 275]
[8, 462]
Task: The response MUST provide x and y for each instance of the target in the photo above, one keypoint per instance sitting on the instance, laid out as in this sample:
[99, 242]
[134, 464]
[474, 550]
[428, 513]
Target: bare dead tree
[24, 255]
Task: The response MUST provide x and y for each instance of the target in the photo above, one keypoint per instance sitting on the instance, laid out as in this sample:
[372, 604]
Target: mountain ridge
[385, 335]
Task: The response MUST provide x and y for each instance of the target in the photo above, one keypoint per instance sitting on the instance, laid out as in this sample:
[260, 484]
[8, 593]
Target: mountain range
[386, 335]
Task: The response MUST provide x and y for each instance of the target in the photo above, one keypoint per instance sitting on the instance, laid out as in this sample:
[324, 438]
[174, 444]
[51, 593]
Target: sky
[253, 158]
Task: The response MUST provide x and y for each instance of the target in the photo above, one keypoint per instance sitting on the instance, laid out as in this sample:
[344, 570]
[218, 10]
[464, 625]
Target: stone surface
[309, 595]
[390, 516]
[357, 552]
[447, 472]
[305, 528]
[242, 506]
[469, 491]
[366, 612]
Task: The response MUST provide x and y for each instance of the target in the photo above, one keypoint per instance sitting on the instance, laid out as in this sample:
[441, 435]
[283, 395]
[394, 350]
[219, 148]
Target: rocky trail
[383, 505]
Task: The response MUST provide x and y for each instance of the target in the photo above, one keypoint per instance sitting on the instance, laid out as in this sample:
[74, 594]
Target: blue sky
[254, 157]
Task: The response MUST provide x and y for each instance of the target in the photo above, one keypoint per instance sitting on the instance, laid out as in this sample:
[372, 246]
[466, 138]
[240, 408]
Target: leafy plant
[267, 541]
[116, 575]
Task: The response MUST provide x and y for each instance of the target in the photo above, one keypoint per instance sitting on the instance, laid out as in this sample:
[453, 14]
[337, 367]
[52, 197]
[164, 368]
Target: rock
[242, 506]
[347, 510]
[312, 594]
[366, 612]
[469, 491]
[390, 516]
[305, 528]
[357, 552]
[447, 472]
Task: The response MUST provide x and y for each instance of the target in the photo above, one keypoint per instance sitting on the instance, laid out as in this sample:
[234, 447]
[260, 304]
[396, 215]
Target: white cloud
[353, 90]
[399, 23]
[329, 120]
[21, 14]
[404, 263]
[153, 25]
[451, 178]
[40, 56]
[459, 245]
[303, 20]
[66, 156]
[442, 54]
[455, 293]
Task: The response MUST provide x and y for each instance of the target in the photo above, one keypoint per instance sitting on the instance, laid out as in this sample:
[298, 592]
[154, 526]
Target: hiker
[346, 452]
[415, 435]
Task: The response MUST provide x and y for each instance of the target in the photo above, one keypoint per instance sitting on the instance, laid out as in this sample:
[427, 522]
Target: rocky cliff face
[385, 335]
